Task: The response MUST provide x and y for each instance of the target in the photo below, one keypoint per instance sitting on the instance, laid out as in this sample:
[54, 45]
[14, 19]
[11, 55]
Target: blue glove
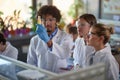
[41, 31]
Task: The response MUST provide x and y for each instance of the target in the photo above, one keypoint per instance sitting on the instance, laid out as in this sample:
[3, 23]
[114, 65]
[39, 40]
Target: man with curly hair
[50, 48]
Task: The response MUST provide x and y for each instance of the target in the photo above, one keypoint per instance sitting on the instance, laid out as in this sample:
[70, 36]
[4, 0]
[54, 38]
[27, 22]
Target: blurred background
[18, 19]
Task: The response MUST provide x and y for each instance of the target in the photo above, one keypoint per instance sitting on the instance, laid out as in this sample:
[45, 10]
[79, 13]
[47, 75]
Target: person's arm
[32, 57]
[15, 53]
[76, 54]
[79, 52]
[10, 51]
[62, 49]
[49, 43]
[42, 33]
[111, 66]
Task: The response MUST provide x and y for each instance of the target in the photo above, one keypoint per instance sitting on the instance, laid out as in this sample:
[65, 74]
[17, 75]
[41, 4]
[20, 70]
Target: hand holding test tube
[41, 31]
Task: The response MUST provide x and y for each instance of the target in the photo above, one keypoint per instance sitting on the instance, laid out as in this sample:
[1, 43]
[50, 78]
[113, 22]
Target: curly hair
[49, 10]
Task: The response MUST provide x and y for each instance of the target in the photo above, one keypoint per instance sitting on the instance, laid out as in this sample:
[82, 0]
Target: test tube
[39, 20]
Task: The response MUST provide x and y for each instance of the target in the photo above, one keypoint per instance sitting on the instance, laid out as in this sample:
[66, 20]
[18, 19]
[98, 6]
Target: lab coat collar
[102, 51]
[54, 33]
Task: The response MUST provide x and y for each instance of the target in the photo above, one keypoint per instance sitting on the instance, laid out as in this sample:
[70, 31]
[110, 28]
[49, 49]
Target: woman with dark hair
[6, 48]
[83, 24]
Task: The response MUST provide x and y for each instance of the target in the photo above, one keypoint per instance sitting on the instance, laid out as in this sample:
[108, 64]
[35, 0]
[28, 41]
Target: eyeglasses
[81, 24]
[91, 33]
[50, 19]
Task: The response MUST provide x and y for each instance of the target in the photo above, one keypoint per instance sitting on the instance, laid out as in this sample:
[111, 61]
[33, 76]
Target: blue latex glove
[41, 31]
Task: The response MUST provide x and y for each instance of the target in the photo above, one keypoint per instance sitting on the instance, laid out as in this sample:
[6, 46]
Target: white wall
[8, 7]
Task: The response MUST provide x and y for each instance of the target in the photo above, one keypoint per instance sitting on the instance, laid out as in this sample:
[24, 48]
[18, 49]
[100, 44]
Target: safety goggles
[46, 20]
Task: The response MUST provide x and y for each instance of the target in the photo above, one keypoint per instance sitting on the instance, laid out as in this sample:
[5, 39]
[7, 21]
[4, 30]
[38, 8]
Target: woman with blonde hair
[98, 36]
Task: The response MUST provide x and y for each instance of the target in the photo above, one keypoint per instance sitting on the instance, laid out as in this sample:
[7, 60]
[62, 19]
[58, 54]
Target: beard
[48, 27]
[49, 31]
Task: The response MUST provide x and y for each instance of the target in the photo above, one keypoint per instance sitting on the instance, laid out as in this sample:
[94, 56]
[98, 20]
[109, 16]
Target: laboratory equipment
[11, 69]
[95, 72]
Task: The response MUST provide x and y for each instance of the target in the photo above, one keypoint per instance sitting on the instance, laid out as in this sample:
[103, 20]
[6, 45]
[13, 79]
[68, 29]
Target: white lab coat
[106, 57]
[40, 55]
[79, 52]
[10, 51]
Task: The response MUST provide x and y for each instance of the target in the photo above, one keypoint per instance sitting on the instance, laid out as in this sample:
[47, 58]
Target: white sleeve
[77, 51]
[75, 55]
[11, 51]
[63, 49]
[15, 53]
[31, 56]
[113, 72]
